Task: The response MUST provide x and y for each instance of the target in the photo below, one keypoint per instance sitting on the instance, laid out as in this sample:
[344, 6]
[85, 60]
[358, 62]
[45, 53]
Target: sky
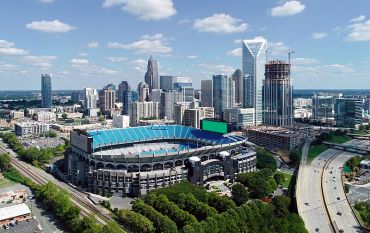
[90, 43]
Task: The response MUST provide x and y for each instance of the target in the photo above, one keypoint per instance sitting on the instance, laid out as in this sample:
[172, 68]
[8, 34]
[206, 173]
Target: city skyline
[112, 40]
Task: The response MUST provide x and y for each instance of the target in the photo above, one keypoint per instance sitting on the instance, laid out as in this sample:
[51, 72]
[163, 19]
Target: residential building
[238, 118]
[143, 89]
[90, 98]
[223, 94]
[193, 116]
[107, 100]
[277, 94]
[76, 96]
[17, 114]
[348, 112]
[253, 60]
[151, 75]
[302, 103]
[180, 108]
[121, 121]
[30, 128]
[43, 116]
[143, 110]
[46, 96]
[168, 100]
[207, 93]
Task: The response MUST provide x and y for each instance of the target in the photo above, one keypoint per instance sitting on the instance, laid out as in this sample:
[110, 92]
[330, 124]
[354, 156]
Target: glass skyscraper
[223, 94]
[254, 59]
[46, 100]
[151, 75]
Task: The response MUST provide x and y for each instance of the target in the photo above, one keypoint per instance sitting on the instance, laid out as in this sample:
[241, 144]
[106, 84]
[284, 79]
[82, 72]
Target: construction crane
[290, 52]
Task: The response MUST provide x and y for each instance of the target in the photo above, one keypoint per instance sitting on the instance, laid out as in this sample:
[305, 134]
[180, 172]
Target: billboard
[214, 126]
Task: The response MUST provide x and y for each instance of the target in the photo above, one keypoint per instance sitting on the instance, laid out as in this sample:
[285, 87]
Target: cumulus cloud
[220, 24]
[319, 35]
[192, 56]
[8, 48]
[79, 62]
[54, 26]
[117, 59]
[139, 65]
[93, 45]
[359, 31]
[213, 69]
[145, 9]
[146, 45]
[44, 62]
[304, 61]
[235, 52]
[287, 9]
[358, 19]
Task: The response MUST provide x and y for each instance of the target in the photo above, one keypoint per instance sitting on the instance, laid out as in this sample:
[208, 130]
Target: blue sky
[95, 42]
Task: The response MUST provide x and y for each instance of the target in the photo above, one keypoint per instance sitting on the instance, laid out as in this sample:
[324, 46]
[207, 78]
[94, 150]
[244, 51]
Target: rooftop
[14, 211]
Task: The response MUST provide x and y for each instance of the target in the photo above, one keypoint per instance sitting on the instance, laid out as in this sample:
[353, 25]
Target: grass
[314, 151]
[360, 132]
[288, 178]
[5, 182]
[340, 139]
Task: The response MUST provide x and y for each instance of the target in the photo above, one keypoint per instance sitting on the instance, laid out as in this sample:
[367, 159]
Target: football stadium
[133, 161]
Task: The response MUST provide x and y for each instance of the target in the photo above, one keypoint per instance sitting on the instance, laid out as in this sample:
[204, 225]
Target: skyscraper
[348, 112]
[277, 94]
[90, 98]
[151, 75]
[122, 87]
[128, 98]
[107, 99]
[46, 100]
[238, 79]
[207, 93]
[223, 94]
[174, 82]
[254, 59]
[143, 89]
[168, 101]
[144, 110]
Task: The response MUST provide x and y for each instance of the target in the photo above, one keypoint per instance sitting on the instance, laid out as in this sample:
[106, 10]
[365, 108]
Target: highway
[41, 177]
[338, 206]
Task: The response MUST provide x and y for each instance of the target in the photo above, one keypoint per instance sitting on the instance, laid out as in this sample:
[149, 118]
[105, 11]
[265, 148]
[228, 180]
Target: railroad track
[75, 196]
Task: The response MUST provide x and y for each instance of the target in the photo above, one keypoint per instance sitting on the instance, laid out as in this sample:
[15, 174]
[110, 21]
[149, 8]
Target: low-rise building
[274, 138]
[14, 213]
[238, 118]
[17, 196]
[17, 114]
[30, 128]
[46, 116]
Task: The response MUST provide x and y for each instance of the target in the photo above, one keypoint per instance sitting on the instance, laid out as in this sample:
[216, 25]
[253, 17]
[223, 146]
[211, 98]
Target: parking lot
[23, 227]
[42, 142]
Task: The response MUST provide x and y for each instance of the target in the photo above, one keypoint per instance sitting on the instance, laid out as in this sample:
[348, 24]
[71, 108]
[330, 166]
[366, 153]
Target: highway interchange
[320, 196]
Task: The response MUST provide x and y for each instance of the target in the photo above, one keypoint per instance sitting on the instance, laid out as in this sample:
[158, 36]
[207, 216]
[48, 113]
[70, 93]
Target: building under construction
[277, 94]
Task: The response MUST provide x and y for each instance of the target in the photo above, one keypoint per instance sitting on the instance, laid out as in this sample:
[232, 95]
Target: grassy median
[314, 151]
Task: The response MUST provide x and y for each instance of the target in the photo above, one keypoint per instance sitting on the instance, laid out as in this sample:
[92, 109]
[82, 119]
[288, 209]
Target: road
[309, 191]
[41, 177]
[338, 206]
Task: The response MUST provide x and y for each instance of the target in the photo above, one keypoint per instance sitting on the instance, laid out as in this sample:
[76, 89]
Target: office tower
[179, 111]
[223, 94]
[128, 98]
[91, 97]
[238, 118]
[46, 99]
[143, 89]
[174, 82]
[198, 94]
[193, 116]
[168, 100]
[187, 93]
[238, 79]
[110, 86]
[107, 100]
[254, 59]
[76, 96]
[207, 93]
[143, 110]
[323, 107]
[277, 94]
[348, 112]
[122, 87]
[151, 75]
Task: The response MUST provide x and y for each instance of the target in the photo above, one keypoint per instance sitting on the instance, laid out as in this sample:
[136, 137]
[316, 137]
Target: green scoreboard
[214, 126]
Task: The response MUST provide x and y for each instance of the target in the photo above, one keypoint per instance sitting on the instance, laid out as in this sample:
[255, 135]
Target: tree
[279, 178]
[111, 227]
[266, 160]
[281, 204]
[294, 157]
[5, 162]
[64, 115]
[239, 194]
[135, 222]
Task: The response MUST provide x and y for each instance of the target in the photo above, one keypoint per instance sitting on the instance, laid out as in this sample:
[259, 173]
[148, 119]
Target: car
[317, 229]
[338, 198]
[339, 213]
[341, 231]
[6, 227]
[335, 187]
[307, 203]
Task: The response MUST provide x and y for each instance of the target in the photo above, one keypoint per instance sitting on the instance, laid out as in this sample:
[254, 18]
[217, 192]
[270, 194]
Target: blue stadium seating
[108, 137]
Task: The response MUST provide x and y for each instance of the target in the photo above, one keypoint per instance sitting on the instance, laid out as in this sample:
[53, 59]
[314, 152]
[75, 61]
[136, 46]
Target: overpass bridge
[349, 148]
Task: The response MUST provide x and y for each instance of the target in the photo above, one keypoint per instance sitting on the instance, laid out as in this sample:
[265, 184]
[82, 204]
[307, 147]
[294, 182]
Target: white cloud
[358, 19]
[54, 26]
[192, 57]
[235, 52]
[359, 31]
[287, 9]
[79, 62]
[319, 35]
[304, 61]
[238, 41]
[214, 69]
[145, 9]
[44, 62]
[117, 59]
[139, 65]
[93, 45]
[147, 45]
[7, 66]
[83, 54]
[220, 24]
[278, 48]
[7, 48]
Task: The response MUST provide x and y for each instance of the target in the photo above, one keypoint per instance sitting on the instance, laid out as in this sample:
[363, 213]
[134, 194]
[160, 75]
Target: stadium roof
[107, 137]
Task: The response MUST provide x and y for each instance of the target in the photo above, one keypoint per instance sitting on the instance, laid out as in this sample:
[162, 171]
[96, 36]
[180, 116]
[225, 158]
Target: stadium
[133, 161]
